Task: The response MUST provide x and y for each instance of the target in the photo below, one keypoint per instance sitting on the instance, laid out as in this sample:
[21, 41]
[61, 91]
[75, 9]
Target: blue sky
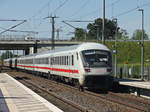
[34, 11]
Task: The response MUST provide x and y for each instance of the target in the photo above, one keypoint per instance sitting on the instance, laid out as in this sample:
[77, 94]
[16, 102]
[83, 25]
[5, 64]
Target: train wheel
[49, 75]
[77, 84]
[81, 88]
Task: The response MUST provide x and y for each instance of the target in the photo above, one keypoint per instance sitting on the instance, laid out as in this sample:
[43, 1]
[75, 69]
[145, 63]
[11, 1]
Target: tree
[6, 55]
[95, 29]
[122, 34]
[138, 34]
[80, 34]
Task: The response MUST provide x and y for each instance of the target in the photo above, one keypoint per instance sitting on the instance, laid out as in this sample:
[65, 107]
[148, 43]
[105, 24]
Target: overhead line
[69, 25]
[40, 10]
[112, 3]
[126, 12]
[61, 5]
[20, 31]
[89, 13]
[10, 20]
[79, 21]
[13, 27]
[79, 10]
[92, 12]
[115, 1]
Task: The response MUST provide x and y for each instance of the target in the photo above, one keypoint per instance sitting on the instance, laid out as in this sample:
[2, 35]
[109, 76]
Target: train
[87, 65]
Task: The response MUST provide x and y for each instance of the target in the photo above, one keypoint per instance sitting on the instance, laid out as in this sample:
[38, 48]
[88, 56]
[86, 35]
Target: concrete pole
[142, 46]
[85, 35]
[103, 27]
[53, 32]
[116, 49]
[116, 34]
[97, 33]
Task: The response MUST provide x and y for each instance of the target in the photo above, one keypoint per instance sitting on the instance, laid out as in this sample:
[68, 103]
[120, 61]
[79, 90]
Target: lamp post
[97, 33]
[85, 35]
[142, 45]
[116, 34]
[103, 24]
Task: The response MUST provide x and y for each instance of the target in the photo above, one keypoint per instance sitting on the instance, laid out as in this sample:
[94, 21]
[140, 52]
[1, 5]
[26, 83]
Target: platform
[135, 83]
[15, 97]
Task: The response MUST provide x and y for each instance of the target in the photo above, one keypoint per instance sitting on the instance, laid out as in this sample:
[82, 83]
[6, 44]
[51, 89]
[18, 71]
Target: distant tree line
[7, 54]
[138, 34]
[94, 32]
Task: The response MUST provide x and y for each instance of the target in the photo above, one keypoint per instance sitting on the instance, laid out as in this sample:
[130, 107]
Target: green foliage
[130, 52]
[95, 29]
[122, 35]
[80, 34]
[7, 54]
[138, 34]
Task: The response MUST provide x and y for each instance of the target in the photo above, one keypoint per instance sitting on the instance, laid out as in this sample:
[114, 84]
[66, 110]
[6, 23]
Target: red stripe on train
[53, 69]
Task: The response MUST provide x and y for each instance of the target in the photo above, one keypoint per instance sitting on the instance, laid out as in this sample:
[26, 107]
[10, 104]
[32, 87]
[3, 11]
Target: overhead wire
[13, 27]
[61, 5]
[47, 5]
[95, 11]
[19, 31]
[137, 3]
[79, 10]
[33, 19]
[41, 9]
[112, 5]
[133, 9]
[115, 1]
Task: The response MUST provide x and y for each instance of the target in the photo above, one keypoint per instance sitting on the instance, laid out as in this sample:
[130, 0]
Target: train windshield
[97, 58]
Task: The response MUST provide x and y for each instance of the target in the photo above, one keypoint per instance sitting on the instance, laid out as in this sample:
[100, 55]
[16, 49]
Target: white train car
[10, 62]
[88, 64]
[26, 62]
[7, 62]
[14, 62]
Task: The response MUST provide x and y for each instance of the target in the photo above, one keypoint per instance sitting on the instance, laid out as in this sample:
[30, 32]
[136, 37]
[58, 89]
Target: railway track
[110, 97]
[124, 100]
[124, 104]
[133, 98]
[68, 102]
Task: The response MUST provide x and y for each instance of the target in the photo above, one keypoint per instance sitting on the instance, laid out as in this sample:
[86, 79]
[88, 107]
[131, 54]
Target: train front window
[97, 58]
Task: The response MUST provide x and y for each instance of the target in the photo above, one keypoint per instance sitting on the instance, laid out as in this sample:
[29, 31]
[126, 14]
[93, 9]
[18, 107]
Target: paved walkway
[135, 83]
[15, 97]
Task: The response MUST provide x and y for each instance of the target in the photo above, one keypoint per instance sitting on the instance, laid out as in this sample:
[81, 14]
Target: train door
[15, 63]
[51, 61]
[10, 63]
[69, 65]
[73, 65]
[32, 61]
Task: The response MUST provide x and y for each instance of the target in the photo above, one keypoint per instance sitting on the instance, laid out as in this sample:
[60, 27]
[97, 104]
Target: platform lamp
[116, 34]
[142, 45]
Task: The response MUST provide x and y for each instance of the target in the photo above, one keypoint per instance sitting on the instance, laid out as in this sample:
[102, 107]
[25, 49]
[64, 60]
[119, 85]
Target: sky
[36, 11]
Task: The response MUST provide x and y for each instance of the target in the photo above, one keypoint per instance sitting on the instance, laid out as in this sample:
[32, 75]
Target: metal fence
[133, 71]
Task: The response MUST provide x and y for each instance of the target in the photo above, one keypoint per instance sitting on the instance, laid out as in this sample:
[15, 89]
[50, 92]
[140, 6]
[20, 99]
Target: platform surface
[135, 83]
[15, 97]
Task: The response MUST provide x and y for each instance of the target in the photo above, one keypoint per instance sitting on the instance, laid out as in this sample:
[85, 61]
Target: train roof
[79, 47]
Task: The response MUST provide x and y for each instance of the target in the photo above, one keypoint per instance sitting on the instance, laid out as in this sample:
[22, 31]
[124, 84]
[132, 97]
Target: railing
[133, 71]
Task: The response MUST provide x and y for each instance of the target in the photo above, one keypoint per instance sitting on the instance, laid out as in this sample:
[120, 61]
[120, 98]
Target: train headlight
[87, 70]
[109, 70]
